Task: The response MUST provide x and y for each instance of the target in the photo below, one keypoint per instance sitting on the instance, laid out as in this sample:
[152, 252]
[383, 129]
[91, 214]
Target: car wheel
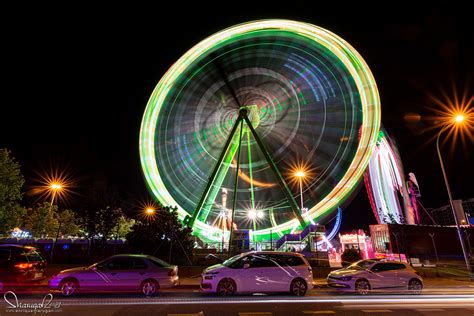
[149, 287]
[362, 287]
[226, 287]
[298, 287]
[69, 287]
[415, 286]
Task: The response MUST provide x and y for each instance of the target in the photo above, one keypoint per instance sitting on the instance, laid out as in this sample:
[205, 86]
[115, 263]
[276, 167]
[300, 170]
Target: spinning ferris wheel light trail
[242, 106]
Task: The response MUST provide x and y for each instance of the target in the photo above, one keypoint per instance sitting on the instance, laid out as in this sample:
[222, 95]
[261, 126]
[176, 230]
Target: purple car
[119, 273]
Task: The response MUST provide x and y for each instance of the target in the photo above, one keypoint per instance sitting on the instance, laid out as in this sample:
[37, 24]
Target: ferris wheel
[266, 126]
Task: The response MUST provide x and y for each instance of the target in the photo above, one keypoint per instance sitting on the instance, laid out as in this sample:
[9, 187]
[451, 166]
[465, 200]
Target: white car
[259, 272]
[119, 273]
[369, 275]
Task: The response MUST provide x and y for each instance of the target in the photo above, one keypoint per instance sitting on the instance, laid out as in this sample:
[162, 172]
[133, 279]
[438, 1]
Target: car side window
[239, 264]
[377, 268]
[397, 266]
[259, 261]
[387, 267]
[295, 261]
[123, 263]
[34, 256]
[139, 264]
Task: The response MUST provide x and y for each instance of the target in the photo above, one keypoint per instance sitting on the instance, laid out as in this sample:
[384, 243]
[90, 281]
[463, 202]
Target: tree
[124, 226]
[163, 236]
[70, 225]
[11, 183]
[100, 214]
[42, 220]
[350, 256]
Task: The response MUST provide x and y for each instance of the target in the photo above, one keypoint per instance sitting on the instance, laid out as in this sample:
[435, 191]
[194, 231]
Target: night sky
[76, 82]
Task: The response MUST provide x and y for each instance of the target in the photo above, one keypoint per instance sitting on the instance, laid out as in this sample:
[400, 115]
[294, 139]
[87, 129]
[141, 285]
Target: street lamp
[457, 120]
[150, 211]
[54, 188]
[300, 174]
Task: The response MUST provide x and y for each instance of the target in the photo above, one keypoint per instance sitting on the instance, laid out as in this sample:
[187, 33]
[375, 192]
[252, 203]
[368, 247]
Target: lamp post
[54, 188]
[300, 175]
[458, 119]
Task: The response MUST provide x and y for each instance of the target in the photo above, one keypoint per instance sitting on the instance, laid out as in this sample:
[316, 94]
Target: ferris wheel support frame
[243, 117]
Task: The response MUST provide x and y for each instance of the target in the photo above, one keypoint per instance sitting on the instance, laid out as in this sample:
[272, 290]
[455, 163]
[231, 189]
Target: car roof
[392, 261]
[278, 253]
[16, 246]
[130, 255]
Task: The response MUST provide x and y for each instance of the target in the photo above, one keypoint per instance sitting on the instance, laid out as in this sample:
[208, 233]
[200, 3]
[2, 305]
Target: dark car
[119, 273]
[20, 265]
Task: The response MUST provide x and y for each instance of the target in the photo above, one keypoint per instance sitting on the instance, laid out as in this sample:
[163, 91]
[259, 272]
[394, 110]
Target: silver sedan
[119, 273]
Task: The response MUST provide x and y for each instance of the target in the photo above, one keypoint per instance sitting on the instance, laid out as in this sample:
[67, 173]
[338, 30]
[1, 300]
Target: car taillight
[23, 265]
[172, 272]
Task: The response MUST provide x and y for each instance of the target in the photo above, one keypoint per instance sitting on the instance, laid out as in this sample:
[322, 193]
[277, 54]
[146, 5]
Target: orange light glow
[53, 185]
[454, 113]
[148, 210]
[300, 174]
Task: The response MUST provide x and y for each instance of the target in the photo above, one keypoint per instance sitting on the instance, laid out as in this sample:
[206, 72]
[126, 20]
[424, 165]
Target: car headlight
[210, 275]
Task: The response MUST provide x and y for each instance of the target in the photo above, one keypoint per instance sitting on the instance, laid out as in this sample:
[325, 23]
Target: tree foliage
[101, 213]
[41, 220]
[70, 225]
[11, 183]
[350, 256]
[163, 236]
[124, 226]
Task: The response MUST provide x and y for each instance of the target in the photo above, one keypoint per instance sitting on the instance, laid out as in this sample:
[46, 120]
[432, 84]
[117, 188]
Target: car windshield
[231, 260]
[361, 265]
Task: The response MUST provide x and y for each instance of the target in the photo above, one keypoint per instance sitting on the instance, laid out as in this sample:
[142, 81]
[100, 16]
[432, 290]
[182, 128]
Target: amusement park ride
[258, 116]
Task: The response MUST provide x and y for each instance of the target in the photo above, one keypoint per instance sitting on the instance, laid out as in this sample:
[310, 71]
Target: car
[373, 275]
[118, 273]
[259, 272]
[20, 266]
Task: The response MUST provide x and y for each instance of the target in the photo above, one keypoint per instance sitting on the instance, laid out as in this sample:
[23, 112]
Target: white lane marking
[319, 312]
[435, 299]
[376, 311]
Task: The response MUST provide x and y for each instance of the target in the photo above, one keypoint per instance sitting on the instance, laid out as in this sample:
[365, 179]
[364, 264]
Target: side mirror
[246, 265]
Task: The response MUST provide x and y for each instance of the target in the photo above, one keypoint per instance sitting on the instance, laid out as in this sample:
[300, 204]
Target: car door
[95, 278]
[120, 274]
[284, 272]
[259, 275]
[384, 276]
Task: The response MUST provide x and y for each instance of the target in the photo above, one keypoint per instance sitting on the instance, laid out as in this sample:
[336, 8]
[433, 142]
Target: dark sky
[76, 81]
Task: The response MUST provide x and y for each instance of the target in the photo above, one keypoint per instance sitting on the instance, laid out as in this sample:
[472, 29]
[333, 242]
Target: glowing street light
[252, 214]
[456, 123]
[150, 211]
[459, 118]
[54, 188]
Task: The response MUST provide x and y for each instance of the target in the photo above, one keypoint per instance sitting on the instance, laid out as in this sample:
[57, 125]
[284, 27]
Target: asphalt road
[187, 302]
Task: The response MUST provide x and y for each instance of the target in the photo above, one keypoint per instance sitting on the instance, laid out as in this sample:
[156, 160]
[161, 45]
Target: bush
[350, 256]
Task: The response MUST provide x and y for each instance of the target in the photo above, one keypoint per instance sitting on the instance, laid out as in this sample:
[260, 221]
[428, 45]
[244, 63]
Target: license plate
[38, 275]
